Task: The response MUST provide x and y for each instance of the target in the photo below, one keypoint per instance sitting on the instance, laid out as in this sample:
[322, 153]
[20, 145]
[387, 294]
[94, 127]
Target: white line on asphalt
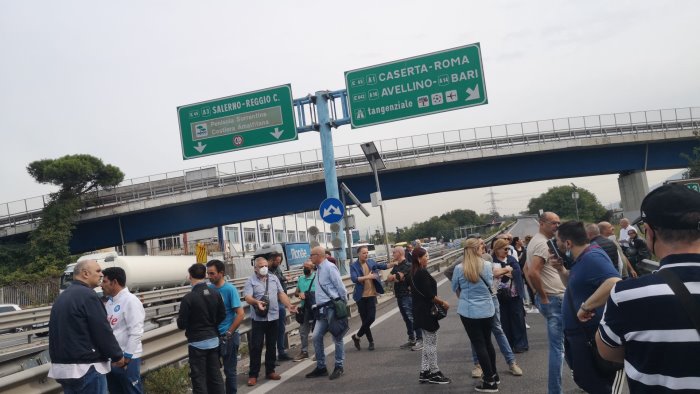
[302, 365]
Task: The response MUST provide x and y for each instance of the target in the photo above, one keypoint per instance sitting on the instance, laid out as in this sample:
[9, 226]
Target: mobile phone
[553, 248]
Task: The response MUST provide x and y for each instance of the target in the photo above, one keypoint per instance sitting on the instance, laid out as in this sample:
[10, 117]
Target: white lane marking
[302, 365]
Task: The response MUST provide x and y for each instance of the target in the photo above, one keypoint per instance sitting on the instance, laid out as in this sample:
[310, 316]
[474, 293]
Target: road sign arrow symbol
[199, 147]
[277, 133]
[473, 93]
[331, 210]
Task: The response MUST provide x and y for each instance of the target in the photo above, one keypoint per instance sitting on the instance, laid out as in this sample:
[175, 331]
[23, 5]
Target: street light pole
[575, 196]
[381, 208]
[376, 163]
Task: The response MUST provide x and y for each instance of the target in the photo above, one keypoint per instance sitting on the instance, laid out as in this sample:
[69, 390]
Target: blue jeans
[555, 333]
[406, 309]
[228, 351]
[322, 325]
[128, 380]
[501, 338]
[281, 331]
[91, 382]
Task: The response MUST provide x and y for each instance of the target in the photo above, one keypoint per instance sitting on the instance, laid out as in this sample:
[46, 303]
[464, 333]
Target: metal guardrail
[252, 170]
[162, 346]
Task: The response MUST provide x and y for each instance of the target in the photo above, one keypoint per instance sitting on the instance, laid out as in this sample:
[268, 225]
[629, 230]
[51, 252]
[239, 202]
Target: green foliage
[440, 227]
[693, 162]
[167, 380]
[75, 174]
[558, 200]
[48, 244]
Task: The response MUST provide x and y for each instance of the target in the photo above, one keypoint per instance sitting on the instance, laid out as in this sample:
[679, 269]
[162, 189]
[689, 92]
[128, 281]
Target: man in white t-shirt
[549, 289]
[624, 238]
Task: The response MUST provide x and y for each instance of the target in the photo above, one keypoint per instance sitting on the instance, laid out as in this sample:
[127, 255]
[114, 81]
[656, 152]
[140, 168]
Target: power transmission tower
[492, 196]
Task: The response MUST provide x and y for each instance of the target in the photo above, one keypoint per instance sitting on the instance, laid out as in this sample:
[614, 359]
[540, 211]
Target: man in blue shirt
[588, 282]
[229, 337]
[328, 279]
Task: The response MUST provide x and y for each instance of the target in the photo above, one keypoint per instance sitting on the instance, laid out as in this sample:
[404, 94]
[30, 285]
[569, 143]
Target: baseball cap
[668, 207]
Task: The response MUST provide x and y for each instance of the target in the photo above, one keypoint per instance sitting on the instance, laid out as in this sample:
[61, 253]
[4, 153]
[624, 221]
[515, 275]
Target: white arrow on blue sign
[332, 210]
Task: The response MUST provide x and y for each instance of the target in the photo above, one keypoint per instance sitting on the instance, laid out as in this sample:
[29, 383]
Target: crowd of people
[601, 318]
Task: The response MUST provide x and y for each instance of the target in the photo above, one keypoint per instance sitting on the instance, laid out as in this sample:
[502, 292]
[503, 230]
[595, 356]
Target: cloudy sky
[105, 78]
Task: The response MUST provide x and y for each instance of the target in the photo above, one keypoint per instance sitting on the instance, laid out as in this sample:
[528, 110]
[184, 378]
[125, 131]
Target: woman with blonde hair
[472, 283]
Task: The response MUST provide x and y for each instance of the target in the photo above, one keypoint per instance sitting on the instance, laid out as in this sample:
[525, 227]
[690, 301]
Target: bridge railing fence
[310, 161]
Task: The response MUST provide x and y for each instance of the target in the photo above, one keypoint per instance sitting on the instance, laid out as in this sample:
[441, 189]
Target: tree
[558, 200]
[75, 175]
[693, 161]
[443, 225]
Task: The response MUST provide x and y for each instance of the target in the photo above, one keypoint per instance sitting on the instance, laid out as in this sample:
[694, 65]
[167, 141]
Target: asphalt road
[389, 369]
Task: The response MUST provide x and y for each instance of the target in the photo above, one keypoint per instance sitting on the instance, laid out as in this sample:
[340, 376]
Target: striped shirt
[662, 347]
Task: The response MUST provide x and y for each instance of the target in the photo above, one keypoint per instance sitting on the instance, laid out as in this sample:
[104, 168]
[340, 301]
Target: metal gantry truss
[307, 119]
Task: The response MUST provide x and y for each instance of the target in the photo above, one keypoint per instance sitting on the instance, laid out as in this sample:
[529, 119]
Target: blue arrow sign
[332, 210]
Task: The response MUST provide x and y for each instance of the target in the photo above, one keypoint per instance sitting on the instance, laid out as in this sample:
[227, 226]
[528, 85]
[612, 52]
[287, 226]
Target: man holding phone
[549, 290]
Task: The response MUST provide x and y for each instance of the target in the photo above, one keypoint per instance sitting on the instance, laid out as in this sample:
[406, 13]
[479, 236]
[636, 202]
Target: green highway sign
[417, 86]
[693, 186]
[237, 122]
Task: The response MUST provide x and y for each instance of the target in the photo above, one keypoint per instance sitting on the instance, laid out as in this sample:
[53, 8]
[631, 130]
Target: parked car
[6, 308]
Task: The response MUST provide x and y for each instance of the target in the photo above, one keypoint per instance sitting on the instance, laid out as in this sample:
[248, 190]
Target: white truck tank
[144, 273]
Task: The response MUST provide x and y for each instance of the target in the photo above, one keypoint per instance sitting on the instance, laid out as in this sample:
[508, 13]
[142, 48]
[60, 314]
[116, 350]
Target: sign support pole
[329, 162]
[381, 211]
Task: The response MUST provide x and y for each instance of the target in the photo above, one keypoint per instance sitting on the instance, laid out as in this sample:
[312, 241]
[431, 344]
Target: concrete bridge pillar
[633, 187]
[138, 248]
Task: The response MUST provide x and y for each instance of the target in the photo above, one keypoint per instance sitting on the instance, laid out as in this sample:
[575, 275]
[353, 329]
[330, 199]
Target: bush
[168, 380]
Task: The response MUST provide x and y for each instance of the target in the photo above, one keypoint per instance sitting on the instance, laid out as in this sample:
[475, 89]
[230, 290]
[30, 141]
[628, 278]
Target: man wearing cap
[645, 324]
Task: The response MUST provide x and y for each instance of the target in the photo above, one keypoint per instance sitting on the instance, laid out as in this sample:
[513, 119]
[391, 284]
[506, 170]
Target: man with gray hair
[399, 275]
[81, 342]
[607, 231]
[264, 293]
[608, 246]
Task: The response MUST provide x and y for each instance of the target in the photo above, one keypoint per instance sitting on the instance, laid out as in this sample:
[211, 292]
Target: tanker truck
[143, 273]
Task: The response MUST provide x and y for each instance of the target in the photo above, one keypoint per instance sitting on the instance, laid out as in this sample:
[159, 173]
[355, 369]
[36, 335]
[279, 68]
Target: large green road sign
[417, 86]
[237, 122]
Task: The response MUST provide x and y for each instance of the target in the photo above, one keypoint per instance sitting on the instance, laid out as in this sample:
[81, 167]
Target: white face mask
[263, 271]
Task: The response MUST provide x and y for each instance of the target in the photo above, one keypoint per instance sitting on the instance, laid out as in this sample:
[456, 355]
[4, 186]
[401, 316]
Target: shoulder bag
[309, 300]
[681, 291]
[436, 311]
[603, 366]
[340, 305]
[265, 299]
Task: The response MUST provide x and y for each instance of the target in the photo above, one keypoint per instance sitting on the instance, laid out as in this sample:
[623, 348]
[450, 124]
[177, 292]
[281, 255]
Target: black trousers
[367, 306]
[513, 322]
[263, 332]
[479, 332]
[204, 371]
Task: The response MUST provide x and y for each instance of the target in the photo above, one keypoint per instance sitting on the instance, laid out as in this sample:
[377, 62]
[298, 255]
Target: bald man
[329, 286]
[402, 291]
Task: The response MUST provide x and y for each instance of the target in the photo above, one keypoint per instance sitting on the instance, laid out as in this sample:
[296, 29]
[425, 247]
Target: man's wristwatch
[583, 308]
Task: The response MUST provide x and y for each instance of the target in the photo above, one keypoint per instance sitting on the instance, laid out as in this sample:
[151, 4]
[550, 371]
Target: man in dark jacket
[81, 342]
[201, 311]
[608, 246]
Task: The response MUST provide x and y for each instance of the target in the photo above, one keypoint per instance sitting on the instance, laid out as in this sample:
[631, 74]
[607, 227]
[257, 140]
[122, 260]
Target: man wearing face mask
[306, 288]
[588, 282]
[264, 293]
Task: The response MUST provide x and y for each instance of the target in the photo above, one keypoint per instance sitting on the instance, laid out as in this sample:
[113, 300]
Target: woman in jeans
[471, 282]
[424, 295]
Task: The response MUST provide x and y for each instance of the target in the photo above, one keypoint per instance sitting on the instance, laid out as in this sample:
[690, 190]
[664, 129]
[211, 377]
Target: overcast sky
[105, 78]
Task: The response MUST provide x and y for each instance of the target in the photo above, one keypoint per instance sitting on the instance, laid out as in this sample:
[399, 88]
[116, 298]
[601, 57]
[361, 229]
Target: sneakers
[527, 326]
[487, 387]
[424, 376]
[356, 340]
[301, 356]
[411, 343]
[284, 357]
[477, 372]
[371, 346]
[317, 373]
[337, 372]
[496, 378]
[418, 346]
[438, 378]
[515, 369]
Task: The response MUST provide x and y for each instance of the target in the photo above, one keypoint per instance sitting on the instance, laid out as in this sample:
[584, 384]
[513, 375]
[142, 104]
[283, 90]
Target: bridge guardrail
[231, 173]
[162, 346]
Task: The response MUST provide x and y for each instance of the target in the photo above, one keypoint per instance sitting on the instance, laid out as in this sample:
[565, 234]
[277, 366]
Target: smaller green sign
[693, 186]
[417, 86]
[237, 122]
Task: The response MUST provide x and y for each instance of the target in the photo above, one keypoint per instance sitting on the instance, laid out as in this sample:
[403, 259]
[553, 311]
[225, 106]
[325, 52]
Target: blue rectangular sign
[296, 254]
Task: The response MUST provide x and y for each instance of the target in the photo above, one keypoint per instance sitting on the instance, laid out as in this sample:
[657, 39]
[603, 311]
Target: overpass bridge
[150, 207]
